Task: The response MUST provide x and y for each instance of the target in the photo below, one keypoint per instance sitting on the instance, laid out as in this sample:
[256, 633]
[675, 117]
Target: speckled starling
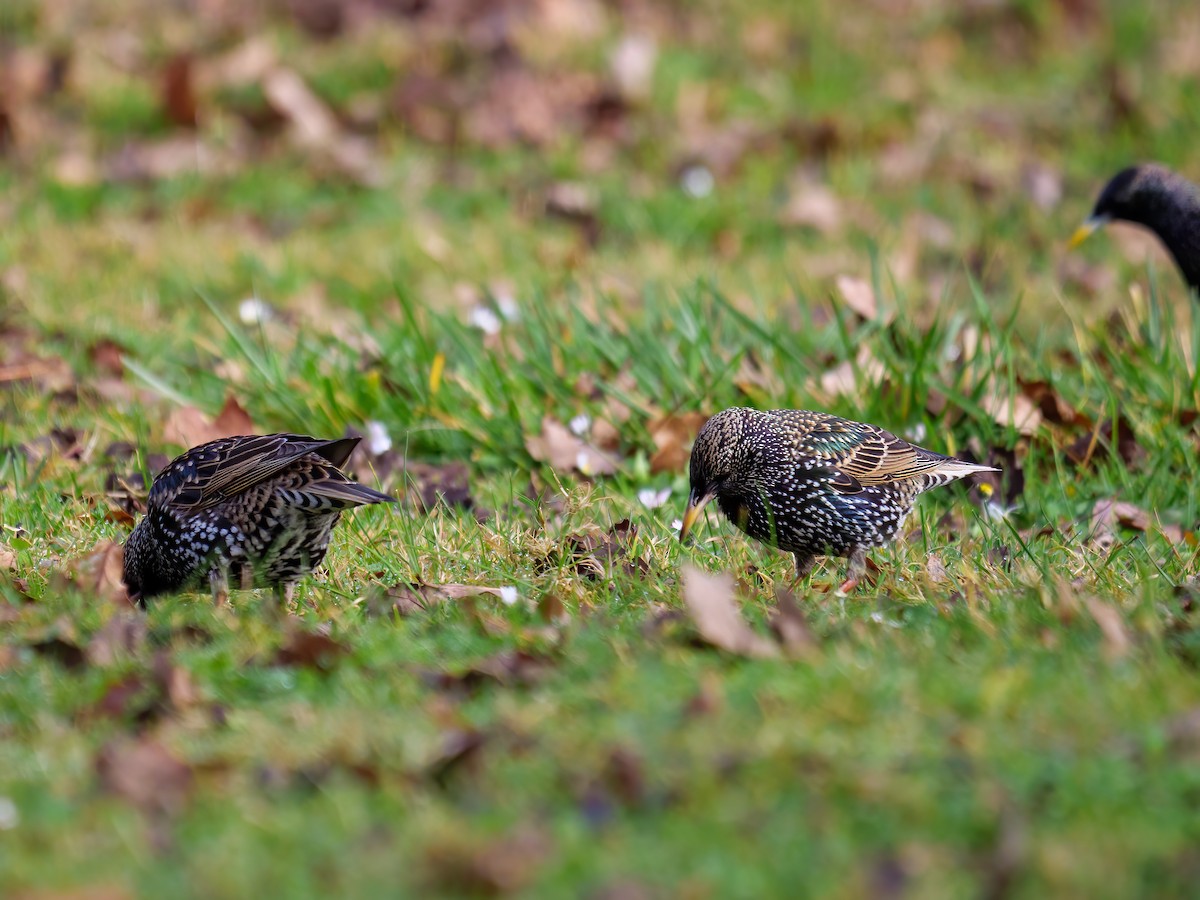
[258, 509]
[1163, 201]
[811, 483]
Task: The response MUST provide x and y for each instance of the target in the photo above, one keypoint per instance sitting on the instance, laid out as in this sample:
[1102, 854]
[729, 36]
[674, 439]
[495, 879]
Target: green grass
[1017, 726]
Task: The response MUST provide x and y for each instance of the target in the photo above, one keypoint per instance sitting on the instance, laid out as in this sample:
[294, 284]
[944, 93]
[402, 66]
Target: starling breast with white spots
[811, 483]
[257, 508]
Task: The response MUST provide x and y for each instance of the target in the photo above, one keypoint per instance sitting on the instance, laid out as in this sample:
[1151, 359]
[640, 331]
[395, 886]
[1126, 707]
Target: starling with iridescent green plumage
[256, 509]
[812, 484]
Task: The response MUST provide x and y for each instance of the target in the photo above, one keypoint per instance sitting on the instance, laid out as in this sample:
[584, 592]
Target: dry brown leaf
[713, 607]
[812, 206]
[310, 649]
[564, 451]
[122, 636]
[101, 573]
[791, 627]
[1017, 411]
[847, 377]
[1108, 513]
[8, 559]
[673, 436]
[458, 865]
[858, 294]
[178, 92]
[145, 773]
[936, 569]
[1117, 642]
[315, 128]
[190, 427]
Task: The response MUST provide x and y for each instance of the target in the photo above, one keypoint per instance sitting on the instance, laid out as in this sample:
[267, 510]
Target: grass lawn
[526, 253]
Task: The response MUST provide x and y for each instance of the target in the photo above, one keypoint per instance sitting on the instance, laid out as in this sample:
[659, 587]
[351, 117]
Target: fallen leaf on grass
[812, 205]
[121, 637]
[1117, 642]
[448, 482]
[564, 451]
[594, 552]
[146, 774]
[713, 607]
[100, 574]
[188, 426]
[310, 649]
[315, 128]
[673, 436]
[508, 667]
[936, 569]
[859, 295]
[1108, 435]
[407, 599]
[1109, 513]
[1016, 411]
[791, 627]
[456, 864]
[65, 652]
[177, 91]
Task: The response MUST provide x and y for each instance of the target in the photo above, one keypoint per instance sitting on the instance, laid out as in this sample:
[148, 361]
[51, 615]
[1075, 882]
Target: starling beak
[811, 483]
[258, 508]
[1159, 199]
[1090, 226]
[695, 506]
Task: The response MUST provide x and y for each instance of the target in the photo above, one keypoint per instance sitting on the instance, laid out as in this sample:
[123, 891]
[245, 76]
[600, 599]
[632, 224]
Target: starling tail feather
[258, 509]
[811, 483]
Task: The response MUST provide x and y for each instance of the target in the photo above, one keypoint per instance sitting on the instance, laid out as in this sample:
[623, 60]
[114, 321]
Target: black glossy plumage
[257, 508]
[1161, 200]
[811, 483]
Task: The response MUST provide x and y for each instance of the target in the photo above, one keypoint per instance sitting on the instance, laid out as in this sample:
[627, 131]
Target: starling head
[726, 456]
[1139, 194]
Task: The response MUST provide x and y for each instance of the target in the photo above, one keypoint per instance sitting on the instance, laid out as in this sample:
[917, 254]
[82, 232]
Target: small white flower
[485, 319]
[697, 181]
[508, 595]
[652, 499]
[580, 424]
[677, 524]
[995, 511]
[378, 440]
[9, 817]
[507, 303]
[583, 462]
[916, 434]
[253, 311]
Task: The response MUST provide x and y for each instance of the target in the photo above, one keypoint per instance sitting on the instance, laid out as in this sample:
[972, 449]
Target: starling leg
[218, 579]
[804, 565]
[286, 594]
[855, 570]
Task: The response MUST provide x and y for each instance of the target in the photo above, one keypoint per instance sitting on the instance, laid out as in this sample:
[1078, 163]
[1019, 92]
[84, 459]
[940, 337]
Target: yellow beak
[692, 513]
[1084, 231]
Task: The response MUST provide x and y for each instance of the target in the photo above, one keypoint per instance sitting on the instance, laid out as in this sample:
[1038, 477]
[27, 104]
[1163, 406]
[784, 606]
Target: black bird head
[725, 459]
[1138, 194]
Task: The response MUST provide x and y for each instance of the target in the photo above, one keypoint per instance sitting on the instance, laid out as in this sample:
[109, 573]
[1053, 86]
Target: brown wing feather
[212, 473]
[862, 454]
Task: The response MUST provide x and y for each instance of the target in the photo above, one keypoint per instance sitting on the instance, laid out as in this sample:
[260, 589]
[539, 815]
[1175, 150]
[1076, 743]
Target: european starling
[811, 483]
[1163, 201]
[257, 508]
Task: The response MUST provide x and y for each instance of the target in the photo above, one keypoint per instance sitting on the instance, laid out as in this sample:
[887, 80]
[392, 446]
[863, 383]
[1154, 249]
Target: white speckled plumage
[811, 483]
[257, 508]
